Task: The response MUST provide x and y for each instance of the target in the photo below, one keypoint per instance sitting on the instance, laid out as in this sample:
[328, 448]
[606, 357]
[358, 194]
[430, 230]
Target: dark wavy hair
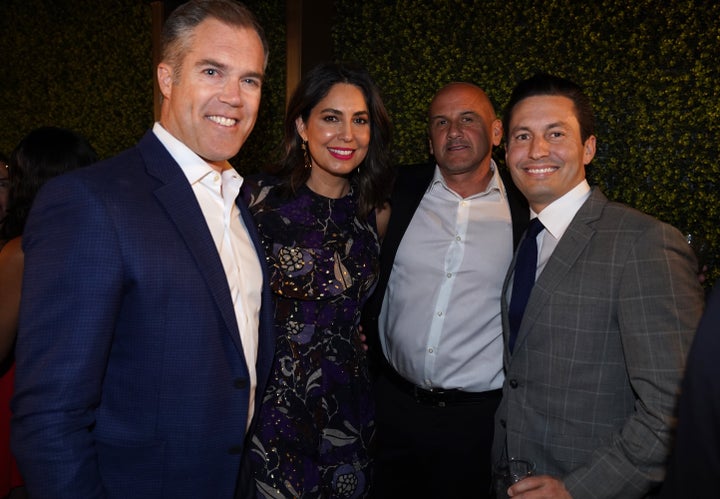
[42, 154]
[546, 84]
[374, 176]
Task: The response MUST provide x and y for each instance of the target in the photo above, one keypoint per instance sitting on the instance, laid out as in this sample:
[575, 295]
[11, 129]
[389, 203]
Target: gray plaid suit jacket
[591, 386]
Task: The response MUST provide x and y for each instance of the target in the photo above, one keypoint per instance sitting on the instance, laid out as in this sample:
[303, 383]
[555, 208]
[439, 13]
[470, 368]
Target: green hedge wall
[650, 67]
[79, 64]
[87, 65]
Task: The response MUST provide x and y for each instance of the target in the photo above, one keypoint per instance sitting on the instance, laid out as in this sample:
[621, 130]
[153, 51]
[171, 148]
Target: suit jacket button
[503, 423]
[235, 449]
[240, 383]
[513, 383]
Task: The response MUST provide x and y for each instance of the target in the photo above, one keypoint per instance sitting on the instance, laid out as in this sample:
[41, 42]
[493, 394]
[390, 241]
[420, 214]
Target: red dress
[9, 474]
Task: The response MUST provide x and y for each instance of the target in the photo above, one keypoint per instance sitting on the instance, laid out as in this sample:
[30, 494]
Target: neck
[334, 189]
[470, 183]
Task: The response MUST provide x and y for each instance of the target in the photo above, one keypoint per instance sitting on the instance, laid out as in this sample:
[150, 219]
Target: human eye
[212, 72]
[252, 82]
[361, 120]
[439, 123]
[330, 118]
[519, 137]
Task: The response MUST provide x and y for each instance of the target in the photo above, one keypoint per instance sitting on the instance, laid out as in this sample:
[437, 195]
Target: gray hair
[179, 28]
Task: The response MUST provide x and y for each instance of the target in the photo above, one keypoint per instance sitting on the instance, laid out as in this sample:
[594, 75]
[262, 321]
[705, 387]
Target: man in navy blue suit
[145, 328]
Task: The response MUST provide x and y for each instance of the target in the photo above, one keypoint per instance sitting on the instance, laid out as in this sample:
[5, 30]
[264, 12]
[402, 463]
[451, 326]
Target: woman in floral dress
[321, 216]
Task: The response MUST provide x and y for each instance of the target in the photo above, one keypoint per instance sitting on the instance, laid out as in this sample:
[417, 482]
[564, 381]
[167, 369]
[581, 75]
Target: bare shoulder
[11, 254]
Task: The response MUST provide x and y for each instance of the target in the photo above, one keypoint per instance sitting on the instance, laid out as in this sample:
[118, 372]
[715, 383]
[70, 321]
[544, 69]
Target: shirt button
[458, 238]
[216, 178]
[449, 275]
[430, 350]
[439, 314]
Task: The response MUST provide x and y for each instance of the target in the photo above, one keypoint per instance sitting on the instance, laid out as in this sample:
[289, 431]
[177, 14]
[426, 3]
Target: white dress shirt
[440, 324]
[556, 218]
[232, 241]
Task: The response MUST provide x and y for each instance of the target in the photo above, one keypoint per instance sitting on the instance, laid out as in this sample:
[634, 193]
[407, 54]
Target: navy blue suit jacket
[131, 378]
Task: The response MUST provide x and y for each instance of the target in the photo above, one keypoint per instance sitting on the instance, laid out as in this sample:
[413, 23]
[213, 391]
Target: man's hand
[539, 487]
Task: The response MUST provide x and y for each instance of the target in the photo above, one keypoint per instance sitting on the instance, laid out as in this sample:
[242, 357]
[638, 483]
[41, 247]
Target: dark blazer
[591, 384]
[695, 466]
[131, 379]
[410, 186]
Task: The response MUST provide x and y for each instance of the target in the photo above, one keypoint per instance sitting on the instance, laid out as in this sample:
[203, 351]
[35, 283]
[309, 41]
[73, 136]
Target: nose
[345, 133]
[231, 93]
[538, 148]
[454, 129]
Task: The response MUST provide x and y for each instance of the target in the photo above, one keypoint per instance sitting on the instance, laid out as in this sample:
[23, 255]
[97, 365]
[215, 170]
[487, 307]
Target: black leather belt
[438, 397]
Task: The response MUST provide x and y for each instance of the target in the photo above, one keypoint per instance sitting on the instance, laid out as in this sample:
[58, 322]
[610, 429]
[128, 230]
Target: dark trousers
[426, 451]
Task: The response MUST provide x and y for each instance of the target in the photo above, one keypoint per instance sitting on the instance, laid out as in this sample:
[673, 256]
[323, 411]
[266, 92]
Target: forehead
[343, 96]
[460, 99]
[213, 38]
[542, 110]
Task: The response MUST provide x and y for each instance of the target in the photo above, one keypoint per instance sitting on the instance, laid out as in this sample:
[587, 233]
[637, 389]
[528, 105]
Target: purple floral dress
[316, 422]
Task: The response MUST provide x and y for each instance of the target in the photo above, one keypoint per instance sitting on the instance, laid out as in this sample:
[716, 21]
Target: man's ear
[589, 150]
[497, 132]
[165, 79]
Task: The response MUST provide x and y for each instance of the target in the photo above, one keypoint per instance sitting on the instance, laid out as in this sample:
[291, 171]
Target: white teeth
[221, 120]
[540, 170]
[341, 152]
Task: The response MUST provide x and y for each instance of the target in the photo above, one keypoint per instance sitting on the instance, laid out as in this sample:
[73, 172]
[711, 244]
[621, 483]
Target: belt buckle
[429, 397]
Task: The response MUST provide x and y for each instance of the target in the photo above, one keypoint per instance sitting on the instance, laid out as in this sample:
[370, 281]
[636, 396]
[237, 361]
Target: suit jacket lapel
[176, 196]
[266, 336]
[576, 238]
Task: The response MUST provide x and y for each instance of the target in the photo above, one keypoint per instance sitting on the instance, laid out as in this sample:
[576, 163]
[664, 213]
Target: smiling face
[463, 130]
[211, 102]
[545, 153]
[337, 131]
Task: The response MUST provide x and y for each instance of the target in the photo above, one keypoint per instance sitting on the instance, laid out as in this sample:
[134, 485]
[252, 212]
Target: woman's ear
[300, 127]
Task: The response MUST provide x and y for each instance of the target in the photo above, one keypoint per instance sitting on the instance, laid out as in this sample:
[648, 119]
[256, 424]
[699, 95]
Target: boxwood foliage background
[87, 65]
[650, 67]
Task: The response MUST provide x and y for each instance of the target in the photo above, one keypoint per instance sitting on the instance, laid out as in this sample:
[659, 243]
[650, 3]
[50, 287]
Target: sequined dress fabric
[316, 420]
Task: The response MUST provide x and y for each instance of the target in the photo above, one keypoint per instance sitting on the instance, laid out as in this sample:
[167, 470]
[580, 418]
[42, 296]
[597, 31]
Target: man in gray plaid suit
[593, 376]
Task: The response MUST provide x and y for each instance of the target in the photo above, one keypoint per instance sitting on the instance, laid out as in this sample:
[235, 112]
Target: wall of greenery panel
[87, 65]
[651, 67]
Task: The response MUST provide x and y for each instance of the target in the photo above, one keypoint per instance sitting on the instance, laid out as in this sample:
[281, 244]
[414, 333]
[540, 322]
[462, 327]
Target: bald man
[434, 320]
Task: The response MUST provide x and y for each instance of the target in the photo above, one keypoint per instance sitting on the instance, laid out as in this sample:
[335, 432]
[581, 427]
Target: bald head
[463, 94]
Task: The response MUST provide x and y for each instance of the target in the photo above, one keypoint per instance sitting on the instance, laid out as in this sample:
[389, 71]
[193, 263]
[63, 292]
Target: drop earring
[306, 154]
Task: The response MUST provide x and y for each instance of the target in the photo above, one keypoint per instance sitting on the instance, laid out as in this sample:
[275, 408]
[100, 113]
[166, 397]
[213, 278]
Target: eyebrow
[555, 124]
[337, 111]
[464, 113]
[223, 67]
